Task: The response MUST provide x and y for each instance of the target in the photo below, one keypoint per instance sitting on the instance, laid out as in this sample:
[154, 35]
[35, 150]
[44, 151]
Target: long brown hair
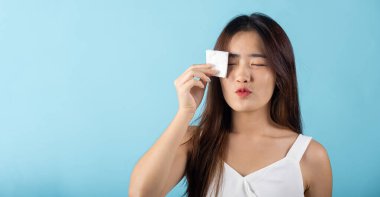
[205, 159]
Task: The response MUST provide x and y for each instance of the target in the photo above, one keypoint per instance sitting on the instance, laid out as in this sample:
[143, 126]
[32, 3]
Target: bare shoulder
[316, 153]
[316, 168]
[177, 170]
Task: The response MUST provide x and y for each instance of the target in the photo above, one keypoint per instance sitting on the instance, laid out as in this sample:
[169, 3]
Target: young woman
[249, 141]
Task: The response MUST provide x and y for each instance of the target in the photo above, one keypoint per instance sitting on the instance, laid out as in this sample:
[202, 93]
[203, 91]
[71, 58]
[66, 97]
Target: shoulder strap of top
[299, 147]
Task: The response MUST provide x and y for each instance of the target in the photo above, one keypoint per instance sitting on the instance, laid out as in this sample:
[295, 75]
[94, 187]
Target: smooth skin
[254, 134]
[163, 166]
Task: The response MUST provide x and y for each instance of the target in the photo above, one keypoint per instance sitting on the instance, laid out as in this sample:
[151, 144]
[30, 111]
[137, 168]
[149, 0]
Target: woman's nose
[242, 72]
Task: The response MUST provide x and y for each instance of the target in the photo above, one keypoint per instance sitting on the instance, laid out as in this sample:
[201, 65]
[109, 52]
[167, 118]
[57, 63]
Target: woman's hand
[189, 90]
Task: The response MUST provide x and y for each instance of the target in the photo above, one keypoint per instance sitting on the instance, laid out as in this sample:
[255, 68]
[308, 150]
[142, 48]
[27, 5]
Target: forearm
[154, 166]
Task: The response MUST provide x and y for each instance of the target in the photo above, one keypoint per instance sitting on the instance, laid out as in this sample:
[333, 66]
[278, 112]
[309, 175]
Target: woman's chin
[244, 108]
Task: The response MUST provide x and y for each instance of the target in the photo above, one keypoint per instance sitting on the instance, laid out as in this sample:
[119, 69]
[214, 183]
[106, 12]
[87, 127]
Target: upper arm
[178, 167]
[317, 169]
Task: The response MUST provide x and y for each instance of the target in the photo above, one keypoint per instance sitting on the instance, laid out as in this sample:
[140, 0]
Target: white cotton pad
[219, 59]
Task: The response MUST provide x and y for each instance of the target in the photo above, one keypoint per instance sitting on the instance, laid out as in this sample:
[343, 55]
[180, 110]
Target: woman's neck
[252, 123]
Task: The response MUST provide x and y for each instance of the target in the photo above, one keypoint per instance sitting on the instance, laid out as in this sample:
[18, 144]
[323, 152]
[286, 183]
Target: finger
[205, 83]
[201, 66]
[211, 71]
[191, 83]
[208, 69]
[191, 74]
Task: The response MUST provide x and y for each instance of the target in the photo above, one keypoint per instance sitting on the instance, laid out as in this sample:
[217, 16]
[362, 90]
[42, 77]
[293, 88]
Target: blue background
[86, 87]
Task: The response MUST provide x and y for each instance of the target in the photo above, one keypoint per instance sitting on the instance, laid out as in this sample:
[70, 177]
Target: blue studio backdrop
[86, 87]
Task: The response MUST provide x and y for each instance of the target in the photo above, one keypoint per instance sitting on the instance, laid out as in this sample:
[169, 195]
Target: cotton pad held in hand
[219, 59]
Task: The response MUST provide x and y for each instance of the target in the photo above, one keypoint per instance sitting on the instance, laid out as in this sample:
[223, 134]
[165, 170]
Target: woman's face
[247, 68]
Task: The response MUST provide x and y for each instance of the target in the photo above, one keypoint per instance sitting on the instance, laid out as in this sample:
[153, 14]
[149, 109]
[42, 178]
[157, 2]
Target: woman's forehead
[246, 44]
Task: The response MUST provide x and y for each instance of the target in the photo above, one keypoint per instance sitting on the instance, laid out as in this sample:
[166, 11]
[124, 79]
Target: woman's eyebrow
[234, 55]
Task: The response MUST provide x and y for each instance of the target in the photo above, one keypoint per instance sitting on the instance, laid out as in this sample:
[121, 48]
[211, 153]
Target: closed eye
[251, 64]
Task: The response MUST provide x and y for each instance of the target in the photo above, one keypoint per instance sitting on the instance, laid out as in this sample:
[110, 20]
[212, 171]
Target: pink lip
[243, 92]
[243, 89]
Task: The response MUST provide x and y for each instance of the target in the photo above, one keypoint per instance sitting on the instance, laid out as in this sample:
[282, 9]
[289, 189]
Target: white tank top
[281, 178]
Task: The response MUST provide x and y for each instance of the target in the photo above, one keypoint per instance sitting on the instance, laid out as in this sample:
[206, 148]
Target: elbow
[136, 193]
[135, 190]
[133, 193]
[139, 187]
[140, 192]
